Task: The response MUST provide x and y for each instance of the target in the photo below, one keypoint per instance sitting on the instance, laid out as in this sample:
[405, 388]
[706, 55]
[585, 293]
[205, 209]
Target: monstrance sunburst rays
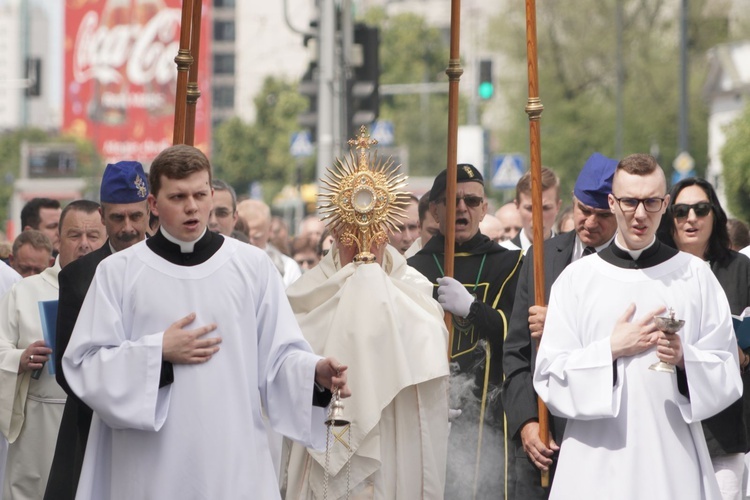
[364, 198]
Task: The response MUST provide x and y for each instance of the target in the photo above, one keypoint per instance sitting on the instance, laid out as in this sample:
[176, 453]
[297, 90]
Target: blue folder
[48, 313]
[742, 330]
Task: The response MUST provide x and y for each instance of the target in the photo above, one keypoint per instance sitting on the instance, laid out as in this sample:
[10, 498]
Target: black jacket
[519, 353]
[74, 279]
[490, 272]
[728, 430]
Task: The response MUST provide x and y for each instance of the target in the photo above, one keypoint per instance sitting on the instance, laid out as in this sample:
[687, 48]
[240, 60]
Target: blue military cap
[124, 182]
[464, 173]
[594, 182]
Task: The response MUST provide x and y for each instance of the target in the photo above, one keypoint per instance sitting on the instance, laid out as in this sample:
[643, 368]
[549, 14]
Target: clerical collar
[163, 244]
[653, 255]
[634, 254]
[185, 246]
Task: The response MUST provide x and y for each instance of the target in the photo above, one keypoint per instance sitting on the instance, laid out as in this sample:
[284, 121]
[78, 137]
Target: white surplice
[30, 410]
[202, 436]
[7, 277]
[639, 438]
[383, 323]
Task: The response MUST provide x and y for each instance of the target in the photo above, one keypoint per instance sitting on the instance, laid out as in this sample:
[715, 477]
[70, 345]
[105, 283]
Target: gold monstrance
[364, 200]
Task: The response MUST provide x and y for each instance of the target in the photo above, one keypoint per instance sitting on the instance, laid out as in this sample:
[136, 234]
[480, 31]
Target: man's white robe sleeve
[115, 376]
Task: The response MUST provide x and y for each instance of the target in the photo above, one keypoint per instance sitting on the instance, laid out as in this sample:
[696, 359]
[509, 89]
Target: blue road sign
[382, 131]
[301, 145]
[678, 176]
[507, 170]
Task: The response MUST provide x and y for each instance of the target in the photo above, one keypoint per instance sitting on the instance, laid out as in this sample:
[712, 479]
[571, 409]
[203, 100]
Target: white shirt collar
[578, 247]
[185, 246]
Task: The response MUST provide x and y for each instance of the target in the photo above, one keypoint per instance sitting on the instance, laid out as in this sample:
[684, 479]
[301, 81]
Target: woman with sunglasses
[695, 223]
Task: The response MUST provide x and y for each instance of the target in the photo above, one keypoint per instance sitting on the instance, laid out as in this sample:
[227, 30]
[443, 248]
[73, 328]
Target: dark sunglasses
[471, 200]
[681, 210]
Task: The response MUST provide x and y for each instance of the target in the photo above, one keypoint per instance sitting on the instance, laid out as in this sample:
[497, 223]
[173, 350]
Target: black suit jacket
[519, 352]
[74, 279]
[516, 240]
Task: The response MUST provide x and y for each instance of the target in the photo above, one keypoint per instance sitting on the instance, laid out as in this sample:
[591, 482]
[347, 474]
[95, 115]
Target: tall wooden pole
[193, 92]
[183, 61]
[534, 109]
[454, 72]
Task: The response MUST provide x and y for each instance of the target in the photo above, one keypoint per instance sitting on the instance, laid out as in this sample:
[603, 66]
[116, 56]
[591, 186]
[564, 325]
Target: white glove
[452, 415]
[454, 297]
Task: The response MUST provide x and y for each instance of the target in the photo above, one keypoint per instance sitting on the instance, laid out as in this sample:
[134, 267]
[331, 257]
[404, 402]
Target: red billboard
[120, 75]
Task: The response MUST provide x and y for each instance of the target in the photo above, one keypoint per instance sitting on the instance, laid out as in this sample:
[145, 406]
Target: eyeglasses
[682, 210]
[631, 204]
[472, 201]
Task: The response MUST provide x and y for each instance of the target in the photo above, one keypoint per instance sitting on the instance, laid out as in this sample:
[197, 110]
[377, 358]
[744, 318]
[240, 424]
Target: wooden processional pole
[193, 92]
[183, 61]
[454, 73]
[534, 109]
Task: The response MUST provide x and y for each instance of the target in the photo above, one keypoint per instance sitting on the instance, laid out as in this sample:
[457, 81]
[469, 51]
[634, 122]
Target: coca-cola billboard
[120, 75]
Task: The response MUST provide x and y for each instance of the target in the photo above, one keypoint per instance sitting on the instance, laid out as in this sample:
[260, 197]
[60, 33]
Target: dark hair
[177, 162]
[153, 221]
[718, 243]
[549, 180]
[85, 206]
[30, 211]
[739, 235]
[325, 235]
[241, 226]
[37, 239]
[638, 164]
[240, 236]
[304, 243]
[423, 206]
[219, 185]
[563, 214]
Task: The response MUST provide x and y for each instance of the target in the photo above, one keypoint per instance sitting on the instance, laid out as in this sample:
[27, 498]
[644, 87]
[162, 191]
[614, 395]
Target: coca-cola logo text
[145, 52]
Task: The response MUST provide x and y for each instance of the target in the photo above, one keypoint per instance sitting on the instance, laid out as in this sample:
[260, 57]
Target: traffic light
[363, 99]
[485, 88]
[33, 73]
[308, 87]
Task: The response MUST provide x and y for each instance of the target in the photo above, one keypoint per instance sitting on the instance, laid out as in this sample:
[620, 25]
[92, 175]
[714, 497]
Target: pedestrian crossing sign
[507, 169]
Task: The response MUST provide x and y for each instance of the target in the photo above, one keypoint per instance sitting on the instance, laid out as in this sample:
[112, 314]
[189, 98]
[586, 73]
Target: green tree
[259, 152]
[735, 156]
[413, 52]
[577, 74]
[89, 165]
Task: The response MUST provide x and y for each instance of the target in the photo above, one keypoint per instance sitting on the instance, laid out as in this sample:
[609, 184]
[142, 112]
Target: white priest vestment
[30, 410]
[202, 436]
[7, 277]
[383, 323]
[631, 433]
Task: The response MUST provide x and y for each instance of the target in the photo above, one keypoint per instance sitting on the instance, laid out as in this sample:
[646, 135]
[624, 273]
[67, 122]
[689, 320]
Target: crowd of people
[197, 341]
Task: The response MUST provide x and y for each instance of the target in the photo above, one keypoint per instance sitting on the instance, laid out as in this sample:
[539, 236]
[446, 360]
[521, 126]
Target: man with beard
[480, 298]
[124, 213]
[595, 228]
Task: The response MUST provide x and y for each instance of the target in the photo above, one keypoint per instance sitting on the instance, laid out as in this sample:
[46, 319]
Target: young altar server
[182, 342]
[633, 432]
